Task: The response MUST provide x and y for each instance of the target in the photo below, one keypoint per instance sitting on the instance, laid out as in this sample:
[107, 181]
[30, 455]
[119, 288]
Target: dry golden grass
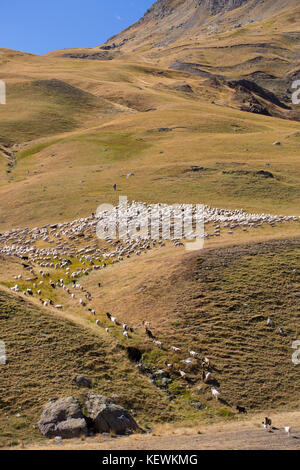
[70, 129]
[44, 354]
[102, 120]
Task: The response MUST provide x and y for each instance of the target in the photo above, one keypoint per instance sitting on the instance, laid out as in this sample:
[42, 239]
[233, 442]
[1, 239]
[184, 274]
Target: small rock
[266, 174]
[82, 381]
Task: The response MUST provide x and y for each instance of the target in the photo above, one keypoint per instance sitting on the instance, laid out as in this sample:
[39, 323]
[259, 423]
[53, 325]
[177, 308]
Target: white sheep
[207, 377]
[215, 393]
[193, 354]
[187, 361]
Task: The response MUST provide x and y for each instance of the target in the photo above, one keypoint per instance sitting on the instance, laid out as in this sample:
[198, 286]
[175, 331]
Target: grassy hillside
[217, 303]
[180, 93]
[73, 126]
[45, 353]
[159, 147]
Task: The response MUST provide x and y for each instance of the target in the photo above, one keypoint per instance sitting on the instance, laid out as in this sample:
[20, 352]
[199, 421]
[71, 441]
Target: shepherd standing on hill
[115, 187]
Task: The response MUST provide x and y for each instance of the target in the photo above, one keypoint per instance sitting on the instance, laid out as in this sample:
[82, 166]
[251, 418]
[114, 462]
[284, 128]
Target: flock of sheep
[125, 230]
[176, 222]
[140, 226]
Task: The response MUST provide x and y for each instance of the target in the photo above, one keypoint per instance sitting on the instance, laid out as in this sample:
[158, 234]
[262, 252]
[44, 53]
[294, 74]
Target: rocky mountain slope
[171, 21]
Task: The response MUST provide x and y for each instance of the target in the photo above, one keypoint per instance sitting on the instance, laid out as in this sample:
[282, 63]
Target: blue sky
[40, 26]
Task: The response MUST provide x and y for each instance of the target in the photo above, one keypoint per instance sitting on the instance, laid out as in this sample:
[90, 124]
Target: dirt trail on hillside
[246, 434]
[248, 439]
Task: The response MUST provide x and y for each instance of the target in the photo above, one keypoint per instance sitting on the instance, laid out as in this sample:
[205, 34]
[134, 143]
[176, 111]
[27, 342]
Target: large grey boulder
[63, 418]
[109, 417]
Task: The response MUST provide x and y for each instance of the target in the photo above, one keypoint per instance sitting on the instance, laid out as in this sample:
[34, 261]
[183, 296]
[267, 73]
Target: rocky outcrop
[163, 8]
[218, 6]
[108, 416]
[63, 418]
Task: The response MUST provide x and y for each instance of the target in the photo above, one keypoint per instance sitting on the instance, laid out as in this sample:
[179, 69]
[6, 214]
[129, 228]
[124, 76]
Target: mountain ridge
[191, 17]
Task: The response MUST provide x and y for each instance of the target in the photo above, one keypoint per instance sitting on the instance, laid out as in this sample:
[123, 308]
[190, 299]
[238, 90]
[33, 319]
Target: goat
[149, 333]
[177, 350]
[241, 409]
[205, 362]
[267, 423]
